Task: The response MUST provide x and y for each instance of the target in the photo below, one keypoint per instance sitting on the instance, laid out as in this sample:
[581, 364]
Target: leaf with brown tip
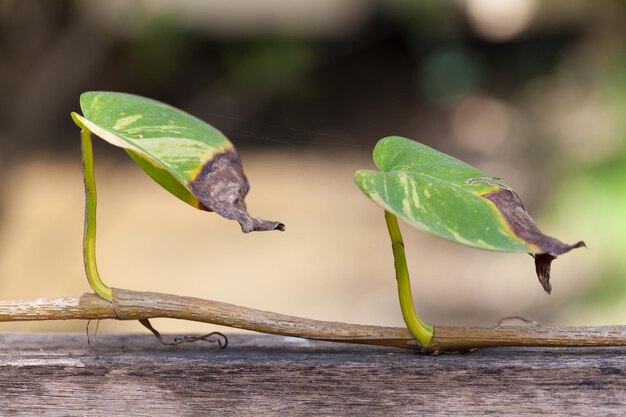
[186, 156]
[450, 199]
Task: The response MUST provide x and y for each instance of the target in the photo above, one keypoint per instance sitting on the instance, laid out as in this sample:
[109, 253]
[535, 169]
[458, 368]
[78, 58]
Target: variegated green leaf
[453, 200]
[188, 157]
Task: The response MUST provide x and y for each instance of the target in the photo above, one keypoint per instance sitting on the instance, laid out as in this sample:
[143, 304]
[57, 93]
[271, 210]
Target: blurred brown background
[533, 92]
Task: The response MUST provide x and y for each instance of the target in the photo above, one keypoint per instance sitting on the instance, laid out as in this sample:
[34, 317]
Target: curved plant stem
[423, 332]
[89, 237]
[134, 305]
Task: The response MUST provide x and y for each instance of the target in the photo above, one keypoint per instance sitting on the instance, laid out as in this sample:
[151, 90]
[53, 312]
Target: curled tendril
[213, 337]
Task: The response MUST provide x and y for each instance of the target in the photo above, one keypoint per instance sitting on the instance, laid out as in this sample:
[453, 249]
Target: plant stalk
[134, 305]
[423, 332]
[89, 237]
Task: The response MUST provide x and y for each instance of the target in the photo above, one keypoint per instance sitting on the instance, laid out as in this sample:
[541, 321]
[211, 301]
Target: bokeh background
[533, 92]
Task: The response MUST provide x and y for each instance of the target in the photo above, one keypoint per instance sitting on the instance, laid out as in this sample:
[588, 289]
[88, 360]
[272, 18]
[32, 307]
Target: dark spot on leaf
[221, 186]
[523, 226]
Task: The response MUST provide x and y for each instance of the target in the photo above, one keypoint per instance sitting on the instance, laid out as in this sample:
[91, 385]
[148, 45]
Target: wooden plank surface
[132, 375]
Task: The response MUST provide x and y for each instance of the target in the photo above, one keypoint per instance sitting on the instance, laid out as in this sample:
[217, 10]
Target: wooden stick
[131, 305]
[135, 305]
[67, 307]
[449, 338]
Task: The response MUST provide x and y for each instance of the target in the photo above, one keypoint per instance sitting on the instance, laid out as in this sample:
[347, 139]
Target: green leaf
[186, 156]
[450, 199]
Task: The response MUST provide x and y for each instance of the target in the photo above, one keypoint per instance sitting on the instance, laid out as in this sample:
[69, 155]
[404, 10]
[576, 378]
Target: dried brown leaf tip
[548, 248]
[221, 186]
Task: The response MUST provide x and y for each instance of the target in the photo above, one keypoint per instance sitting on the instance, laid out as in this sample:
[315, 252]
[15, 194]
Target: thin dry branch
[134, 305]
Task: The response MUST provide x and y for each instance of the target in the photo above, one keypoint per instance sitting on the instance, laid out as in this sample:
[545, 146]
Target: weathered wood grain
[57, 375]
